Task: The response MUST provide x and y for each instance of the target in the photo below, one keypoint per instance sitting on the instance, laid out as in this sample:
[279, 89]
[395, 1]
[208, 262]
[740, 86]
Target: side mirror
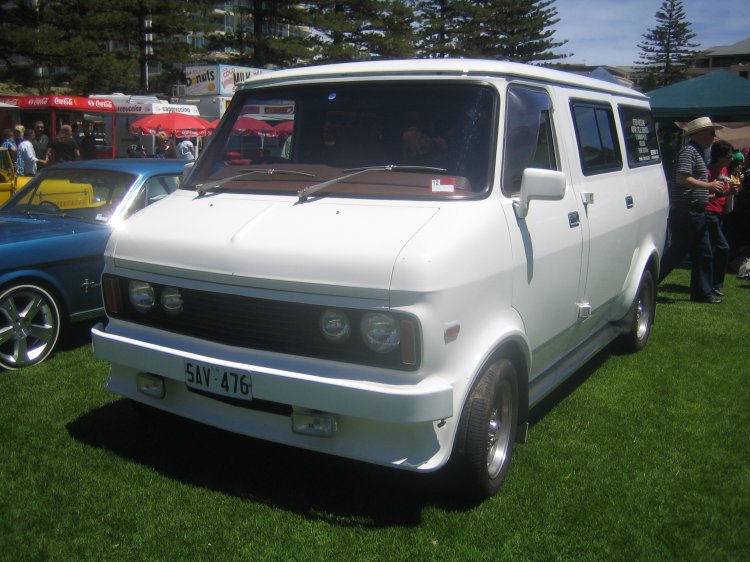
[546, 185]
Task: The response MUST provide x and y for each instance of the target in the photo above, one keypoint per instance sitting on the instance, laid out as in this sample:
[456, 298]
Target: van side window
[641, 143]
[529, 139]
[598, 148]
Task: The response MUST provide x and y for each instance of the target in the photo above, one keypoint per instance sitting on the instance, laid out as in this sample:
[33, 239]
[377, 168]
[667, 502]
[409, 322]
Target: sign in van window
[641, 142]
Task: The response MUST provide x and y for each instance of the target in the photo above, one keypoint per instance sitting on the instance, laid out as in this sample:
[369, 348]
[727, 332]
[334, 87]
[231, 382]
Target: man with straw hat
[690, 190]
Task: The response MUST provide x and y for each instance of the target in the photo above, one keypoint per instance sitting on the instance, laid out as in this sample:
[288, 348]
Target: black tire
[641, 315]
[486, 432]
[29, 325]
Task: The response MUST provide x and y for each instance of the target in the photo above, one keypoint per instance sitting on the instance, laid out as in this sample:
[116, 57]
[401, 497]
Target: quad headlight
[171, 300]
[380, 337]
[380, 332]
[335, 326]
[141, 295]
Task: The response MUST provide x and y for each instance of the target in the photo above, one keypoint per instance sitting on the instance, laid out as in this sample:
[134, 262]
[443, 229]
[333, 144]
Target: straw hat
[700, 124]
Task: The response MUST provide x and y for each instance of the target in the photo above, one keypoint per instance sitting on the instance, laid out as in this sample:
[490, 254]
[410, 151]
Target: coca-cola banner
[61, 102]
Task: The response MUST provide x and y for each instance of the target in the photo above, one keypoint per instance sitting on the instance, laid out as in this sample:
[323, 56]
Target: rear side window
[529, 138]
[641, 143]
[598, 148]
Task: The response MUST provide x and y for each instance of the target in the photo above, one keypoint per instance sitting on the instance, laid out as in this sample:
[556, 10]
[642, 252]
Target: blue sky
[607, 32]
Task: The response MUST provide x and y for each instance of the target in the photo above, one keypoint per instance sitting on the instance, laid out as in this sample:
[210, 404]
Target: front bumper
[388, 424]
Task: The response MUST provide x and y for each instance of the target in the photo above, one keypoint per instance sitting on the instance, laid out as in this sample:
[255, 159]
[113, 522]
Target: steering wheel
[50, 204]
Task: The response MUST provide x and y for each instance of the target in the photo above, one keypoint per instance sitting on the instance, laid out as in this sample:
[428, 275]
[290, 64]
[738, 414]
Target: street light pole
[148, 50]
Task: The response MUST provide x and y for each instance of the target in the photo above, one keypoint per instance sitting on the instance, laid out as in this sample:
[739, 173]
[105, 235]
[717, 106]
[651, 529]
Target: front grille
[269, 325]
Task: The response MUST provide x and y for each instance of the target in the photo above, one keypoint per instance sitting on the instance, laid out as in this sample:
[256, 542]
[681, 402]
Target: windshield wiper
[202, 188]
[303, 194]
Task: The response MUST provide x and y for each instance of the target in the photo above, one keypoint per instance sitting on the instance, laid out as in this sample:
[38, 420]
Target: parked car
[10, 181]
[440, 244]
[53, 233]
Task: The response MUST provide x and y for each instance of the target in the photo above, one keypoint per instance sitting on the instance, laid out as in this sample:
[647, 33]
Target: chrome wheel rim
[28, 327]
[643, 312]
[499, 430]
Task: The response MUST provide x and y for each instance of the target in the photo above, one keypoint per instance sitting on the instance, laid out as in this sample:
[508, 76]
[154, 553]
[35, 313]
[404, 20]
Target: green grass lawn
[638, 457]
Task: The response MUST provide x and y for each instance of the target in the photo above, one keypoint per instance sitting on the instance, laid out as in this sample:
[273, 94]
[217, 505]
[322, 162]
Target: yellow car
[10, 182]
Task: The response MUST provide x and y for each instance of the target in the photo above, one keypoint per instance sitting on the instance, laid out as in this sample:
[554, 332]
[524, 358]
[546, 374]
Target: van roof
[439, 67]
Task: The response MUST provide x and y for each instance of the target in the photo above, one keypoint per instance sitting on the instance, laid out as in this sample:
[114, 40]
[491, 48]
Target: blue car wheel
[29, 325]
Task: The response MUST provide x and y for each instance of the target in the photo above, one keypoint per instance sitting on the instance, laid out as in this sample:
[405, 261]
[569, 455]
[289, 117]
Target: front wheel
[29, 325]
[487, 430]
[641, 315]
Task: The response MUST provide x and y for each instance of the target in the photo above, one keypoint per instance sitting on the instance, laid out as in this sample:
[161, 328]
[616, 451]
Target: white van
[434, 248]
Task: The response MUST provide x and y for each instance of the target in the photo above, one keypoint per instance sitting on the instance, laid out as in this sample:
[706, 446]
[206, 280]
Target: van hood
[326, 241]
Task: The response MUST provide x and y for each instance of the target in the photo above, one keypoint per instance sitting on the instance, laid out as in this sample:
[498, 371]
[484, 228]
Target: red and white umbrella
[246, 125]
[177, 124]
[285, 127]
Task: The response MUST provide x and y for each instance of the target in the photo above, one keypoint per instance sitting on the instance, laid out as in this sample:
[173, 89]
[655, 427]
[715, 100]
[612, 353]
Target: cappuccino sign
[153, 108]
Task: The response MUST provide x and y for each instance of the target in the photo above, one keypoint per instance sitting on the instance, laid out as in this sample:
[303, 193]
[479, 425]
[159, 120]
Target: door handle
[629, 201]
[573, 219]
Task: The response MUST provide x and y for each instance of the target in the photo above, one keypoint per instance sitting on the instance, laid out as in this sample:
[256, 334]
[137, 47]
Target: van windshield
[365, 139]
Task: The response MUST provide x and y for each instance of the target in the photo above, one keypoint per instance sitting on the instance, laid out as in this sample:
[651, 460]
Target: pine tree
[516, 30]
[393, 35]
[520, 30]
[439, 22]
[265, 35]
[95, 46]
[666, 49]
[361, 29]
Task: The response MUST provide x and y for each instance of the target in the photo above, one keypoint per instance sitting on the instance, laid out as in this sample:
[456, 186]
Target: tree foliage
[265, 34]
[359, 30]
[518, 30]
[95, 46]
[666, 49]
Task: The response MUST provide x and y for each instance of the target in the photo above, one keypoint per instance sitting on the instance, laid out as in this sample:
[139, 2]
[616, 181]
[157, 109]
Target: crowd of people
[708, 176]
[165, 147]
[31, 148]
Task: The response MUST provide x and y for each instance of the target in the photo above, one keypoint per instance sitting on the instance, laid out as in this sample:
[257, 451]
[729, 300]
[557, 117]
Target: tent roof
[720, 95]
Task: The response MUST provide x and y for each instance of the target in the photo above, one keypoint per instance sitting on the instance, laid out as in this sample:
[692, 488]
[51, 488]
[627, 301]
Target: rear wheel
[29, 325]
[641, 316]
[487, 430]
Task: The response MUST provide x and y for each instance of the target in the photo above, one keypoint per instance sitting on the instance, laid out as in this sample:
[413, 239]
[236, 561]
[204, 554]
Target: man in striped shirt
[690, 190]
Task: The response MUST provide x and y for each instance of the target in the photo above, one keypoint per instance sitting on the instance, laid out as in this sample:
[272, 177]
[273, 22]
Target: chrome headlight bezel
[171, 300]
[335, 325]
[380, 331]
[141, 296]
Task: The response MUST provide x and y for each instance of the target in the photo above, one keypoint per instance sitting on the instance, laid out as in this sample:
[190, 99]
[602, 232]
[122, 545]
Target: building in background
[732, 58]
[230, 18]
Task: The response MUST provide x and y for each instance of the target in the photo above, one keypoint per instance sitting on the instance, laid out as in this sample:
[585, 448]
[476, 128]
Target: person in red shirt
[721, 157]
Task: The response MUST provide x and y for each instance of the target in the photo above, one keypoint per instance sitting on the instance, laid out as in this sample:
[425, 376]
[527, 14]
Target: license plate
[218, 380]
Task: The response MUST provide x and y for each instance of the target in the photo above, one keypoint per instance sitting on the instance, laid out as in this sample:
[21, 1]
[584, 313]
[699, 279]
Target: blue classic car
[53, 233]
